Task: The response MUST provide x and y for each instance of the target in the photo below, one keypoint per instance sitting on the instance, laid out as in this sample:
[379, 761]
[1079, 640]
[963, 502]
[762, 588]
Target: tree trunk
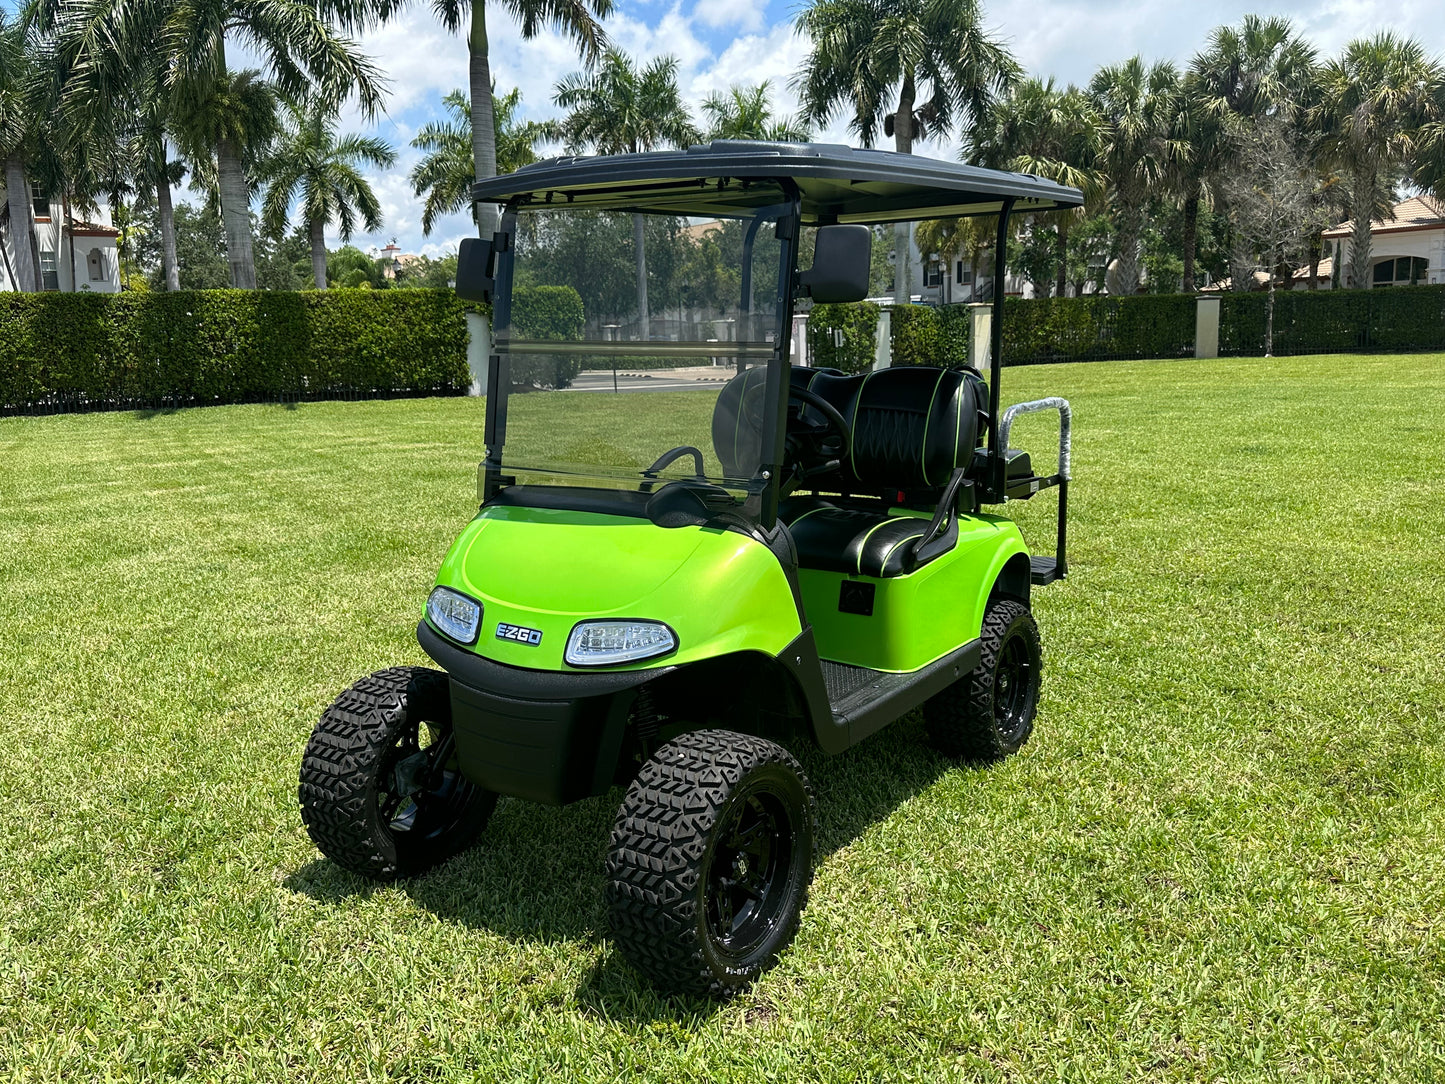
[236, 213]
[1269, 321]
[317, 229]
[167, 216]
[903, 231]
[1316, 243]
[1362, 205]
[22, 225]
[484, 132]
[1130, 223]
[1191, 236]
[1061, 276]
[639, 242]
[68, 227]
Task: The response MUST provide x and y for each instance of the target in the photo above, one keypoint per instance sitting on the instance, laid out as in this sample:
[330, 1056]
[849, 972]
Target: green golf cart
[664, 593]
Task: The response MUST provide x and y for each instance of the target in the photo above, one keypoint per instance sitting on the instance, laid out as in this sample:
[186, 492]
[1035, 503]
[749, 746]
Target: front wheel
[381, 794]
[710, 862]
[989, 713]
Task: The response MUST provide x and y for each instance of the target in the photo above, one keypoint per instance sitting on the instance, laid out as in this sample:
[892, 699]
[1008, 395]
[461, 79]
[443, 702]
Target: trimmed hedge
[923, 335]
[1335, 321]
[551, 313]
[97, 351]
[1094, 328]
[859, 324]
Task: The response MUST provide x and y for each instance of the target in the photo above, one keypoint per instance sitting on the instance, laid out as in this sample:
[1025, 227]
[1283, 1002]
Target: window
[95, 264]
[41, 202]
[934, 275]
[1402, 271]
[49, 272]
[963, 275]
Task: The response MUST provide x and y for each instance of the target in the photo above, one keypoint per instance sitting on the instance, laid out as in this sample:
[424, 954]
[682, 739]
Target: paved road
[661, 380]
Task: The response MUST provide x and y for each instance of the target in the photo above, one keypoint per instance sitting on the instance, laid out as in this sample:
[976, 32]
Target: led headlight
[454, 614]
[606, 643]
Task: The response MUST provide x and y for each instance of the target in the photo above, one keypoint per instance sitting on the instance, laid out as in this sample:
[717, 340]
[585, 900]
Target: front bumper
[537, 734]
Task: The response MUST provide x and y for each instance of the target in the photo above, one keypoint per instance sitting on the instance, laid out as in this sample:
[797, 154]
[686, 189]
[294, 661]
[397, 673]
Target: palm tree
[1137, 105]
[1050, 133]
[1245, 73]
[19, 140]
[1375, 111]
[179, 47]
[309, 158]
[447, 170]
[746, 113]
[573, 18]
[619, 108]
[869, 54]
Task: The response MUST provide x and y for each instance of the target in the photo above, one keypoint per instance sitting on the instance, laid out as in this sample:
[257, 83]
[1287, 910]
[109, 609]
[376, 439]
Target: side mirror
[474, 270]
[842, 260]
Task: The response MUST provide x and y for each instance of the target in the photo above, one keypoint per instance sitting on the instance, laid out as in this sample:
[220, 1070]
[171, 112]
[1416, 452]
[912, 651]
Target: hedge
[859, 325]
[97, 351]
[1335, 321]
[550, 313]
[1093, 328]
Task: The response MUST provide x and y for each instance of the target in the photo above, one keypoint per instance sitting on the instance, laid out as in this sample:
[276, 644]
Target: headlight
[605, 643]
[454, 614]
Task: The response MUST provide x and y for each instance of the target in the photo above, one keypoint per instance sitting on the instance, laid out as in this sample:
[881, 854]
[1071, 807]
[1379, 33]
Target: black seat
[858, 541]
[912, 428]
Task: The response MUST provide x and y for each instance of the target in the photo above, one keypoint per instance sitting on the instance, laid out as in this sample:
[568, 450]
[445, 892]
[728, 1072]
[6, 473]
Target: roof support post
[1000, 260]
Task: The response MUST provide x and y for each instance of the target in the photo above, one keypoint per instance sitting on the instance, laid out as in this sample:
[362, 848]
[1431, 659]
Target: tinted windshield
[622, 333]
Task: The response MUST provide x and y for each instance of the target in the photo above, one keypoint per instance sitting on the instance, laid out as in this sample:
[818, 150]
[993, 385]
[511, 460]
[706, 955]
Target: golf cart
[666, 597]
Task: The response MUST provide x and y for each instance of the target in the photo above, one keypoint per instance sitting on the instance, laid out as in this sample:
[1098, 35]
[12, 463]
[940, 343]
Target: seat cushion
[851, 540]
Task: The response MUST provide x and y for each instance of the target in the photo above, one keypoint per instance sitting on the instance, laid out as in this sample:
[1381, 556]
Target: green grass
[1221, 857]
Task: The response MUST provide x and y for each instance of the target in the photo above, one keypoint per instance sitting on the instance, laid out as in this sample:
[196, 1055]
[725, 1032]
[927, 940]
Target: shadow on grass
[536, 872]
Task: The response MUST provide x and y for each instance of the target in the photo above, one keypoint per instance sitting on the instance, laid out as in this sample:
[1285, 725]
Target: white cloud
[741, 14]
[722, 42]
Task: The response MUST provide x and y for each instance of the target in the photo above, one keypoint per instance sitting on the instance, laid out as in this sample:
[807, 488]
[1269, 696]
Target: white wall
[1427, 244]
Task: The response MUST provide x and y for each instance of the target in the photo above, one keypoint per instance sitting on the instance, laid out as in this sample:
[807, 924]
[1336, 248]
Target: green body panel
[919, 617]
[719, 591]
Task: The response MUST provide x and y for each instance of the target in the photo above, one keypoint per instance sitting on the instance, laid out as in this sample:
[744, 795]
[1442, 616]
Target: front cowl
[544, 570]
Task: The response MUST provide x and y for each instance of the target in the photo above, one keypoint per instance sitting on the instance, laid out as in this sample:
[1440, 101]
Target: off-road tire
[670, 860]
[349, 765]
[964, 720]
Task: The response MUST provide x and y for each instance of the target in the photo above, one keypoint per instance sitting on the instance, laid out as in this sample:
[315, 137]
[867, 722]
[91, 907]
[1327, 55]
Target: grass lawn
[1221, 857]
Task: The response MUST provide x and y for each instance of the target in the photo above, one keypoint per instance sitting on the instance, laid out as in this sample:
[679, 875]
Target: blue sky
[719, 42]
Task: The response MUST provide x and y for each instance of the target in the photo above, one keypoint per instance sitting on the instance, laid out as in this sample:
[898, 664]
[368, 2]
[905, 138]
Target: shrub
[549, 313]
[1335, 321]
[859, 324]
[1087, 328]
[89, 351]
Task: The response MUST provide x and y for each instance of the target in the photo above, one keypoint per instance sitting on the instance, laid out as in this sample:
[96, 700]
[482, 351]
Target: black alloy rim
[420, 794]
[747, 880]
[1013, 687]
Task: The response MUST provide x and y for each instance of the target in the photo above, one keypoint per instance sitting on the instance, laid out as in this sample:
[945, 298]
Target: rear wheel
[710, 862]
[381, 794]
[989, 713]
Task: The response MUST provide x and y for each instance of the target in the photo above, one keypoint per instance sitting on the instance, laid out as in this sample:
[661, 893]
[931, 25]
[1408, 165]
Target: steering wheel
[833, 421]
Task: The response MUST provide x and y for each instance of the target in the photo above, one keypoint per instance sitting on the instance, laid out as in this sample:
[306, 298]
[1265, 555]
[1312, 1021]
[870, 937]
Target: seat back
[912, 426]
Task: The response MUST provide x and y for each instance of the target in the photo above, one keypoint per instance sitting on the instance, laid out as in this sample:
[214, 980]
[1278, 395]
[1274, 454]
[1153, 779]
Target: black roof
[729, 177]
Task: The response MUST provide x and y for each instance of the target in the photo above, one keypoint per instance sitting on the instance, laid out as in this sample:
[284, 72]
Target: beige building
[1408, 248]
[74, 253]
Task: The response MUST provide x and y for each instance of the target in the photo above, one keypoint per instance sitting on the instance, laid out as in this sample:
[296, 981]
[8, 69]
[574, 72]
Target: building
[73, 253]
[1410, 248]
